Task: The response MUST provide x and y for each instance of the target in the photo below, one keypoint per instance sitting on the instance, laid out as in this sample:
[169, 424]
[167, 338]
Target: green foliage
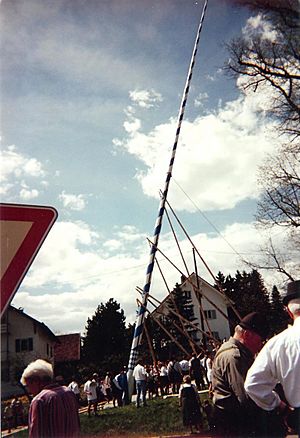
[160, 417]
[184, 305]
[247, 291]
[248, 294]
[106, 343]
[163, 344]
[278, 318]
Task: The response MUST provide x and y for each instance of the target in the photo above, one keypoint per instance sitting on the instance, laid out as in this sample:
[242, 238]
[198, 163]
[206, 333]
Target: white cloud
[19, 173]
[112, 244]
[26, 194]
[33, 167]
[100, 66]
[145, 98]
[217, 155]
[257, 25]
[14, 164]
[129, 233]
[200, 99]
[73, 274]
[71, 201]
[132, 126]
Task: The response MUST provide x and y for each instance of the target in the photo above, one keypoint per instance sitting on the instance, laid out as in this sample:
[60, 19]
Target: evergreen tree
[278, 317]
[106, 342]
[220, 281]
[184, 306]
[163, 345]
[248, 294]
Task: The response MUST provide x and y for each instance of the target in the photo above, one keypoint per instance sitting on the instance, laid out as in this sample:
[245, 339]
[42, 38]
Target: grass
[160, 417]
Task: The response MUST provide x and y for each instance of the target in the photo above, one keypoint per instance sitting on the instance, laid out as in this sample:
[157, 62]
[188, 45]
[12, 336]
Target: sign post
[23, 229]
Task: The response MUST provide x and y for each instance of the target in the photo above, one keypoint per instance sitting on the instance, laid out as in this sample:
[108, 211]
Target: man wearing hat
[279, 362]
[232, 407]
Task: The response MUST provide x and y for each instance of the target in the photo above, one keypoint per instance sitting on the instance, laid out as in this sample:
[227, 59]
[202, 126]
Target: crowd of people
[14, 414]
[161, 379]
[253, 385]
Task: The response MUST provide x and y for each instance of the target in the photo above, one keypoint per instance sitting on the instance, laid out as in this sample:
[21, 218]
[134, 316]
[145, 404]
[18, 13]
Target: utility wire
[208, 220]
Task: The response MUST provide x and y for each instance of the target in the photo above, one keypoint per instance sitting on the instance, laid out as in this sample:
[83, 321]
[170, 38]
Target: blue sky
[90, 94]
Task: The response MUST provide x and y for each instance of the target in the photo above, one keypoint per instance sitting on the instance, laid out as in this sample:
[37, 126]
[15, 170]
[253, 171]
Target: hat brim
[290, 297]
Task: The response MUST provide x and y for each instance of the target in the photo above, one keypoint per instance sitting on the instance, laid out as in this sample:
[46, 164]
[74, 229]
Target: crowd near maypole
[142, 307]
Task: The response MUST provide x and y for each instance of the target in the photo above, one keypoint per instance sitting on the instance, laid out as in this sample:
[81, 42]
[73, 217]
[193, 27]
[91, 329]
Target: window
[216, 335]
[163, 319]
[187, 294]
[49, 350]
[18, 345]
[210, 314]
[24, 345]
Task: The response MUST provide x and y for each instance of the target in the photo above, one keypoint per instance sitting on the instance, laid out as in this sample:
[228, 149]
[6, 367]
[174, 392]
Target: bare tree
[282, 260]
[266, 59]
[279, 179]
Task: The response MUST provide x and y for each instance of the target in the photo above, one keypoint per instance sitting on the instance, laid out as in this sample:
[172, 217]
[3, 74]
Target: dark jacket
[229, 371]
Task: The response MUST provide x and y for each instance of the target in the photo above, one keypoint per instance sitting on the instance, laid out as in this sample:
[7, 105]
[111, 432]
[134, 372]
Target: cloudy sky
[90, 93]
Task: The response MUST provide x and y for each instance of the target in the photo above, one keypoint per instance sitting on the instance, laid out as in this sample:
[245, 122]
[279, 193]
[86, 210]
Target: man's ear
[289, 312]
[246, 334]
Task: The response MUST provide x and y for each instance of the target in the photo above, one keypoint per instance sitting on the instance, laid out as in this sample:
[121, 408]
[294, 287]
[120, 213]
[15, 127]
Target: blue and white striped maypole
[142, 308]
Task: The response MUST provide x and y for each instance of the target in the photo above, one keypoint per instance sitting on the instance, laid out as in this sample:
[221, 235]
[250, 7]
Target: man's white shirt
[139, 372]
[90, 388]
[74, 387]
[277, 362]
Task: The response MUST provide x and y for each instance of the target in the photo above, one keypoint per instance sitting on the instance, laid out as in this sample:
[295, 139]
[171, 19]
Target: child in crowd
[189, 401]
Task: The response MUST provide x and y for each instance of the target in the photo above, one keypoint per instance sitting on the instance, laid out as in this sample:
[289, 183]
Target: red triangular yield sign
[23, 228]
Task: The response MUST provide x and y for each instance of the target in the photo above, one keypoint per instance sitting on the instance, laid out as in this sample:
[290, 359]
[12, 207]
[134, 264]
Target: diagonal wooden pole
[203, 261]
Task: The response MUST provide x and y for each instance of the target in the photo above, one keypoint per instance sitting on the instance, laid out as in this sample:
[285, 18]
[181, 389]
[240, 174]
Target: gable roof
[39, 324]
[224, 297]
[187, 280]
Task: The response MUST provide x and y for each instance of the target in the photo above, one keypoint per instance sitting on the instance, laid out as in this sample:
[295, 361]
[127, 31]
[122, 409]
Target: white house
[23, 339]
[214, 305]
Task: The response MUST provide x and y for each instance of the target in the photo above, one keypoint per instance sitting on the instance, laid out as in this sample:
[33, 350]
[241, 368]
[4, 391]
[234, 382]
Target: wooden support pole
[182, 317]
[168, 333]
[203, 261]
[188, 279]
[176, 308]
[150, 344]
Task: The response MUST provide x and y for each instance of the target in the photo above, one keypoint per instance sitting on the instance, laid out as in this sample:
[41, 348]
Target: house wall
[22, 341]
[218, 324]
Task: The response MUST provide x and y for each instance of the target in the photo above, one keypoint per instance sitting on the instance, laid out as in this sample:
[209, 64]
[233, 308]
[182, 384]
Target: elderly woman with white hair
[53, 411]
[279, 362]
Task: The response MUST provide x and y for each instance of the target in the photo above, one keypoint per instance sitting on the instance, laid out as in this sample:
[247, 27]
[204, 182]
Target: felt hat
[293, 291]
[256, 322]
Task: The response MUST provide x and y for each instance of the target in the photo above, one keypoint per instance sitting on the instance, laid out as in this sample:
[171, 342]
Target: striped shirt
[53, 413]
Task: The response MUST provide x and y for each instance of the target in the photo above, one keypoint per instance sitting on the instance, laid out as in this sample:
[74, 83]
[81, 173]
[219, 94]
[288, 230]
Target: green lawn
[160, 417]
